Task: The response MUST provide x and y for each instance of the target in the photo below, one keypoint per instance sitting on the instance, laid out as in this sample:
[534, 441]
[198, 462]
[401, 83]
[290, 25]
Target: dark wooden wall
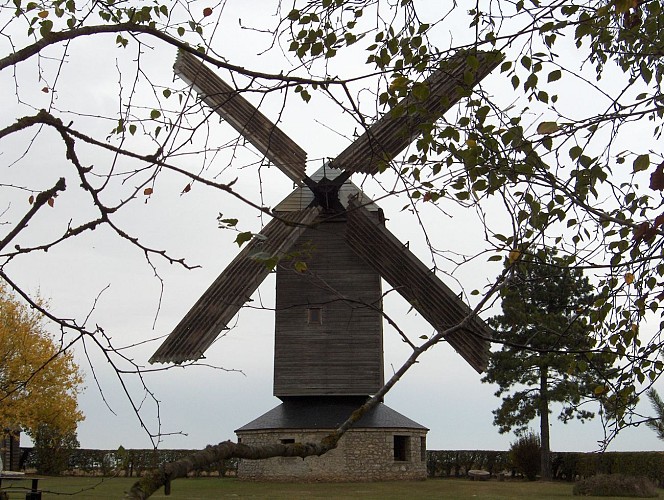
[344, 354]
[10, 450]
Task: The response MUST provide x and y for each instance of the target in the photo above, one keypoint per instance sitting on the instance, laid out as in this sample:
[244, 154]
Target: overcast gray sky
[203, 405]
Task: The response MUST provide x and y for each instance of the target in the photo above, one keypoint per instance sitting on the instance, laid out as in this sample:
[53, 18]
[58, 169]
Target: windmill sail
[243, 116]
[234, 286]
[390, 135]
[428, 295]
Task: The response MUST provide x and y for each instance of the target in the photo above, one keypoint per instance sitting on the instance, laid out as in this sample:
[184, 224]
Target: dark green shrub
[53, 449]
[525, 453]
[615, 485]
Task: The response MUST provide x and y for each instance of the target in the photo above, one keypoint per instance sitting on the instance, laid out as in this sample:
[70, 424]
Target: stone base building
[384, 445]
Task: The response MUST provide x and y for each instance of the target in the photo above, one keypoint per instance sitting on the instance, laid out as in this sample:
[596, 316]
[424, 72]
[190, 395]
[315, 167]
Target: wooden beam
[229, 292]
[428, 295]
[390, 135]
[269, 139]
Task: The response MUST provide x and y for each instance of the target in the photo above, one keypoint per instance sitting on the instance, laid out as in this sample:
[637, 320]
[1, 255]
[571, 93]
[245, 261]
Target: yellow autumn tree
[39, 384]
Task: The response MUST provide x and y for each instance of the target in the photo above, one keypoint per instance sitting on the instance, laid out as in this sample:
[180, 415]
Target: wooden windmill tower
[328, 324]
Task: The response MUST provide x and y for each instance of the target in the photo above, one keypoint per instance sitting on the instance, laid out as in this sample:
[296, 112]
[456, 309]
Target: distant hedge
[456, 463]
[440, 463]
[565, 465]
[127, 462]
[569, 465]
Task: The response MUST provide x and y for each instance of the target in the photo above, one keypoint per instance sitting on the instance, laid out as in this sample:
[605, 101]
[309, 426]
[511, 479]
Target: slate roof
[327, 413]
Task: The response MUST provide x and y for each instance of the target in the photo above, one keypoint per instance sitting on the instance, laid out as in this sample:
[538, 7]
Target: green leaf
[242, 238]
[641, 163]
[132, 129]
[554, 75]
[546, 128]
[46, 27]
[317, 49]
[229, 222]
[575, 152]
[420, 91]
[472, 62]
[155, 113]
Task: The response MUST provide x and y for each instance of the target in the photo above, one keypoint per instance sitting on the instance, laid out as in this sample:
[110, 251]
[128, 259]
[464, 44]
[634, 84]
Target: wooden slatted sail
[234, 286]
[390, 135]
[428, 295]
[280, 149]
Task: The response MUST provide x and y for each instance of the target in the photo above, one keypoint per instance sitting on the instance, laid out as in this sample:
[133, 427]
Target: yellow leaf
[514, 255]
[399, 82]
[629, 278]
[43, 14]
[300, 266]
[39, 385]
[600, 389]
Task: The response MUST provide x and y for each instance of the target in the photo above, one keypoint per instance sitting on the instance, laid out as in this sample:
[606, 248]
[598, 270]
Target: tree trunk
[545, 457]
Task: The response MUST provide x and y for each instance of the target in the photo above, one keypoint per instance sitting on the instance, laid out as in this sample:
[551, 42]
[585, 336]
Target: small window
[315, 315]
[401, 448]
[239, 440]
[423, 448]
[287, 441]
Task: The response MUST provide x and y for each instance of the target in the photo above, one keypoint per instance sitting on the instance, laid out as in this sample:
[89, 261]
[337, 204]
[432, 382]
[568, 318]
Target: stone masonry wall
[362, 455]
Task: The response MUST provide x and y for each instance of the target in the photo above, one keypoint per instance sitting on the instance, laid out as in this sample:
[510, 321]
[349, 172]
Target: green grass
[210, 488]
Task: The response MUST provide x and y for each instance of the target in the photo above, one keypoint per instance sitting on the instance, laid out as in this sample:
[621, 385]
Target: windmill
[328, 319]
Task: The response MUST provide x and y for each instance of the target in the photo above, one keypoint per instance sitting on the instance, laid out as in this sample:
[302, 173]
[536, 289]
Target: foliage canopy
[547, 354]
[39, 383]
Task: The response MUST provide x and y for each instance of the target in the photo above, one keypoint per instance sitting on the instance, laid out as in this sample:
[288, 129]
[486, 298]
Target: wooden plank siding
[390, 135]
[344, 354]
[229, 292]
[439, 305]
[269, 139]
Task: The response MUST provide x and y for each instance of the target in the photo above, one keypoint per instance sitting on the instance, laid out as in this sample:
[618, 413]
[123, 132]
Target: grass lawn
[209, 488]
